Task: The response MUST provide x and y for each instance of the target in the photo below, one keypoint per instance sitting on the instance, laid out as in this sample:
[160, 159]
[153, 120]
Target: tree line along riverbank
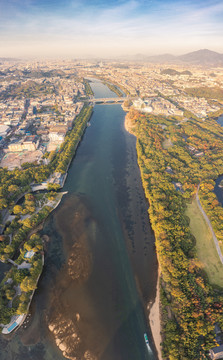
[113, 88]
[171, 173]
[118, 89]
[88, 89]
[20, 243]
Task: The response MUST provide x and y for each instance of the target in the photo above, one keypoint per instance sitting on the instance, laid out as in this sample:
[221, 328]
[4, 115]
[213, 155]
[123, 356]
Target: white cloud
[120, 28]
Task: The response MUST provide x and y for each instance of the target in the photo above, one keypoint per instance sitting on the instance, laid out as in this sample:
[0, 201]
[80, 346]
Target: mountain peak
[203, 56]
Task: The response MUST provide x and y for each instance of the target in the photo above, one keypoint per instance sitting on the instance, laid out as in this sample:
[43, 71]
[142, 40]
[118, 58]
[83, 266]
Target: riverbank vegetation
[170, 177]
[19, 283]
[217, 113]
[19, 230]
[115, 84]
[88, 89]
[127, 105]
[67, 150]
[113, 88]
[125, 91]
[18, 235]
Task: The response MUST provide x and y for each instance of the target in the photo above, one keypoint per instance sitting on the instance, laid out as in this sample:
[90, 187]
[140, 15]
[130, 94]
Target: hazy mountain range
[200, 57]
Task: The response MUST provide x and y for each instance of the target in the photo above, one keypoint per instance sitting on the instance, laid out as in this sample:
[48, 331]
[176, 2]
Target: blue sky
[75, 28]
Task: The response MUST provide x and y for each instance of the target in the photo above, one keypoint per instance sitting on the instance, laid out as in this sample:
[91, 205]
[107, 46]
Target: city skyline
[54, 28]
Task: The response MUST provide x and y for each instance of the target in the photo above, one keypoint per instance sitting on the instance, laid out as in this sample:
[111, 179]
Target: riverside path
[210, 226]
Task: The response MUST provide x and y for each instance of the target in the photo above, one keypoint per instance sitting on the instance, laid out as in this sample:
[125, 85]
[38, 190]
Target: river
[220, 120]
[101, 270]
[217, 189]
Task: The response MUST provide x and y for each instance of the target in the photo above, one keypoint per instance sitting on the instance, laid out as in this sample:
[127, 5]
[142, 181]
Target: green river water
[100, 265]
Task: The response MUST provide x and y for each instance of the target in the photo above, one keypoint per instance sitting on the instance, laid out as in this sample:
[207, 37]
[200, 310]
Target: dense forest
[175, 156]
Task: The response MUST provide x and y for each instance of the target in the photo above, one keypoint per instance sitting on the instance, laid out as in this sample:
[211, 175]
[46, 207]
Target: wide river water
[100, 268]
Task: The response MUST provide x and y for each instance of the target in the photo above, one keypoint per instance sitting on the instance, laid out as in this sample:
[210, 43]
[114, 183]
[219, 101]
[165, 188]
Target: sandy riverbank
[154, 311]
[154, 320]
[127, 124]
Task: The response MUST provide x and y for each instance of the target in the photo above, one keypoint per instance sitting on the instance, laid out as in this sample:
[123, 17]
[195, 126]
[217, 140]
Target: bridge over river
[110, 100]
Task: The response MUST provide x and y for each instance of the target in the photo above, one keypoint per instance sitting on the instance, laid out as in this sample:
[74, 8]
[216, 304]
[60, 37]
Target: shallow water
[218, 190]
[100, 270]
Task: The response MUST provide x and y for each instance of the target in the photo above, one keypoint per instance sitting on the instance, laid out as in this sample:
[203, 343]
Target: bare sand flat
[154, 320]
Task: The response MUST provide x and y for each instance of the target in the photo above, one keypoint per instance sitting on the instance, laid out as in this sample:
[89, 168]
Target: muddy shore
[154, 308]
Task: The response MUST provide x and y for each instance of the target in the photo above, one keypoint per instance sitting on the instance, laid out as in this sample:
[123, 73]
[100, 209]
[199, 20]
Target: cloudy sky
[99, 28]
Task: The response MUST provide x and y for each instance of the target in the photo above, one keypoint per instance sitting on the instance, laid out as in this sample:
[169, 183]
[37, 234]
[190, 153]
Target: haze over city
[55, 28]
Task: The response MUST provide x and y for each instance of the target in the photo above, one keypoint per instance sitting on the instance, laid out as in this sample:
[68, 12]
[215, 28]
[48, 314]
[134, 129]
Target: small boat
[147, 343]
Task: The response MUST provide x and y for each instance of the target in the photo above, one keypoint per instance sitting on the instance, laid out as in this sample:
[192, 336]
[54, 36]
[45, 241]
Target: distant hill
[40, 73]
[186, 72]
[200, 57]
[173, 72]
[53, 73]
[203, 57]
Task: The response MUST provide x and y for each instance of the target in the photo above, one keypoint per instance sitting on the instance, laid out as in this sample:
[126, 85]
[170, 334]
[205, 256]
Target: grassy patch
[206, 251]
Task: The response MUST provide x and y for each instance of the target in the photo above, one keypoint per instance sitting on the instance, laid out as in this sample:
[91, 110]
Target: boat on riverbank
[221, 184]
[147, 343]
